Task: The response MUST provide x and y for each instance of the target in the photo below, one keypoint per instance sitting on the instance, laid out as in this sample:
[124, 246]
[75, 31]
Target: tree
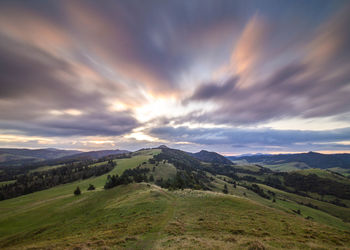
[234, 184]
[225, 191]
[91, 187]
[77, 191]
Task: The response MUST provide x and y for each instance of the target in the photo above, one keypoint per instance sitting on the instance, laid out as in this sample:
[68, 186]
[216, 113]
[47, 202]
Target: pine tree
[225, 191]
[77, 191]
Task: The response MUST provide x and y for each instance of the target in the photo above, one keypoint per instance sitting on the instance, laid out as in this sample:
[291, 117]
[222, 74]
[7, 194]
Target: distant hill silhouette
[212, 157]
[312, 159]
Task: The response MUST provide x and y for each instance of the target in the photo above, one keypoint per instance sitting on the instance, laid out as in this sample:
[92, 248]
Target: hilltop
[212, 157]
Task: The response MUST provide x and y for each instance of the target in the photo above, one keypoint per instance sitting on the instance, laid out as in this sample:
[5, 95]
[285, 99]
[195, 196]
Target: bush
[225, 191]
[77, 191]
[91, 187]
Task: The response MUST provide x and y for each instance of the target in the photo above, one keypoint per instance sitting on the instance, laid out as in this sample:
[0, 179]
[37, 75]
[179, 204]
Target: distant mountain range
[18, 157]
[285, 162]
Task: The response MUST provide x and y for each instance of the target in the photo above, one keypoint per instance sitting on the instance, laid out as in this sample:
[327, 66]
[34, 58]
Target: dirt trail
[149, 240]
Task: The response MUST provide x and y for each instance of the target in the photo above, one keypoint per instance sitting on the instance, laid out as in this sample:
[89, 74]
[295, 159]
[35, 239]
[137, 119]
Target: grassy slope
[343, 171]
[325, 174]
[147, 217]
[287, 167]
[327, 213]
[143, 216]
[45, 168]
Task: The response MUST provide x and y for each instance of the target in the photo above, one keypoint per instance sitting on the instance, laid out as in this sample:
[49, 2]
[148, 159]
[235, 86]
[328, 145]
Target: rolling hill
[18, 157]
[165, 198]
[212, 157]
[91, 155]
[290, 162]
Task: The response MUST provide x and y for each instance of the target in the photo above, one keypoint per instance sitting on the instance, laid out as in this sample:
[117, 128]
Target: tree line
[36, 181]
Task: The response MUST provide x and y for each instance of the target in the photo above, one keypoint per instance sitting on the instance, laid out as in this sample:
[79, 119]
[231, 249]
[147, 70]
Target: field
[145, 216]
[287, 167]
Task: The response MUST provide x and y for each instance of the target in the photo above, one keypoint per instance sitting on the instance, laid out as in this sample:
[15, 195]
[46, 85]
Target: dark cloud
[212, 90]
[256, 138]
[32, 85]
[94, 124]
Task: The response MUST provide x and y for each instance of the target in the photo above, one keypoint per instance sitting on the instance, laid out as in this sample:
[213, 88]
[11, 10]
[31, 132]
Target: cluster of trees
[338, 202]
[185, 179]
[130, 175]
[256, 189]
[315, 184]
[179, 159]
[225, 190]
[36, 181]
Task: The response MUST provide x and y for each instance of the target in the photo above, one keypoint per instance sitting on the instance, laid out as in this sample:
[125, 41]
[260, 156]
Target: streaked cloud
[236, 75]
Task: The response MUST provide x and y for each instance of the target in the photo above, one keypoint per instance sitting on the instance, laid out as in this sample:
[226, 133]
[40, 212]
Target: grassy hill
[146, 216]
[212, 157]
[289, 162]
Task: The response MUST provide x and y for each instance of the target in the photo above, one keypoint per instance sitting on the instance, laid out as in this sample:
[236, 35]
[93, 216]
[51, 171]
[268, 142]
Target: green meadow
[145, 216]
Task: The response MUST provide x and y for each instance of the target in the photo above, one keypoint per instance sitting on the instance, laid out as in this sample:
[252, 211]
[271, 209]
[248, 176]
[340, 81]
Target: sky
[235, 77]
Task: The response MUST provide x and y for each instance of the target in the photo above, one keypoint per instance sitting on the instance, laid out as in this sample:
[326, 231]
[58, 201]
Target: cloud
[34, 83]
[302, 88]
[213, 90]
[256, 139]
[331, 42]
[249, 48]
[84, 68]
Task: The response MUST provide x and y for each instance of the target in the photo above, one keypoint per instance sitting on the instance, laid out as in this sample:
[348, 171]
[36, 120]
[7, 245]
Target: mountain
[299, 161]
[15, 157]
[212, 157]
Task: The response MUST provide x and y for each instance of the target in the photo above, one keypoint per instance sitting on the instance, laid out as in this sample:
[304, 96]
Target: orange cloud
[28, 26]
[331, 41]
[117, 46]
[248, 50]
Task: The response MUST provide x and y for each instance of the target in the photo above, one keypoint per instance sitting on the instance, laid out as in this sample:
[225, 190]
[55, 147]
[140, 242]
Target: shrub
[91, 187]
[77, 191]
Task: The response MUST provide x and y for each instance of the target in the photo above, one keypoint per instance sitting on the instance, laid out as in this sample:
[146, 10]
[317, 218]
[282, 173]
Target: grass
[287, 167]
[326, 213]
[144, 216]
[325, 174]
[162, 170]
[343, 171]
[45, 168]
[211, 220]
